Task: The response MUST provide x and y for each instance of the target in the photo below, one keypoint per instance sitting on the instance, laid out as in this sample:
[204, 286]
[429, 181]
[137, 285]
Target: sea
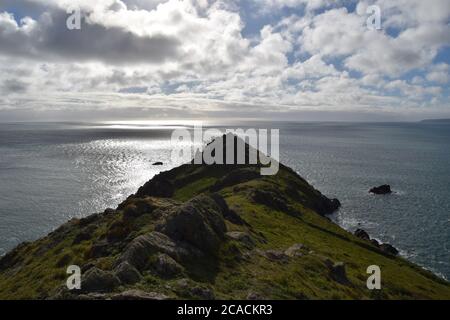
[52, 172]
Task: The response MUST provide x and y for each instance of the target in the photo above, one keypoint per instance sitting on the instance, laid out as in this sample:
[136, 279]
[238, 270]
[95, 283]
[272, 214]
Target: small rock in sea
[158, 163]
[385, 189]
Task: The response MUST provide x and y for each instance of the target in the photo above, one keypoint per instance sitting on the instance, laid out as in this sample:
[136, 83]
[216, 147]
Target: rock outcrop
[199, 222]
[385, 247]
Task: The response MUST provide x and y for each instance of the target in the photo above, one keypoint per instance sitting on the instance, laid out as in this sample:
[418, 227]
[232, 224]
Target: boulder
[198, 222]
[360, 233]
[242, 237]
[384, 189]
[96, 280]
[127, 273]
[167, 267]
[138, 252]
[139, 295]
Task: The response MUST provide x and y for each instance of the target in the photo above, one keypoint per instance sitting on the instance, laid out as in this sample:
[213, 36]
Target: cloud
[196, 56]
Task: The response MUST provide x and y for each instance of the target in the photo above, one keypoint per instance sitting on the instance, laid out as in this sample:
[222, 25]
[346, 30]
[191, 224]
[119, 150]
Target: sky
[212, 59]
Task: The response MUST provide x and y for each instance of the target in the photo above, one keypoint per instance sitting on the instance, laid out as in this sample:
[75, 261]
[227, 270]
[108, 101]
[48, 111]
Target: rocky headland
[214, 232]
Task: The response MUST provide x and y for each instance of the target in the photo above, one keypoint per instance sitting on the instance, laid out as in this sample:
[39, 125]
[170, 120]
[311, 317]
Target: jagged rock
[242, 237]
[385, 189]
[295, 251]
[360, 233]
[138, 252]
[139, 295]
[337, 272]
[385, 247]
[127, 273]
[96, 280]
[375, 242]
[157, 187]
[198, 222]
[167, 267]
[323, 205]
[389, 249]
[236, 177]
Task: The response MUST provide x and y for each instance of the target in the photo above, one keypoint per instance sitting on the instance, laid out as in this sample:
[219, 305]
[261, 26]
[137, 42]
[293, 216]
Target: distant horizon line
[193, 122]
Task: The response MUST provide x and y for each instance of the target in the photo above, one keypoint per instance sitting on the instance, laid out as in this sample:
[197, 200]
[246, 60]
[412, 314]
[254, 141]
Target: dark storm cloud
[13, 86]
[51, 40]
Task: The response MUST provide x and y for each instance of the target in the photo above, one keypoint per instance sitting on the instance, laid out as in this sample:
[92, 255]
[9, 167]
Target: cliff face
[208, 232]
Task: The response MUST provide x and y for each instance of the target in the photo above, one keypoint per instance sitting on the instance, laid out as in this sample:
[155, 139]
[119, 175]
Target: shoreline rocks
[384, 247]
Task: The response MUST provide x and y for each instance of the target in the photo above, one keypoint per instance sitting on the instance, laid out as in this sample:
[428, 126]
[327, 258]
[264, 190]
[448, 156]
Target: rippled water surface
[50, 173]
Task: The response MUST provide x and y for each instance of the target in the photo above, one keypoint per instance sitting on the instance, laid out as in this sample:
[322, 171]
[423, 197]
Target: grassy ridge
[285, 215]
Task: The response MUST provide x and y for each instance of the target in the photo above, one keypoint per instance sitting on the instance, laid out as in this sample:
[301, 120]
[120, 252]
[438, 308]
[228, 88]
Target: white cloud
[193, 56]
